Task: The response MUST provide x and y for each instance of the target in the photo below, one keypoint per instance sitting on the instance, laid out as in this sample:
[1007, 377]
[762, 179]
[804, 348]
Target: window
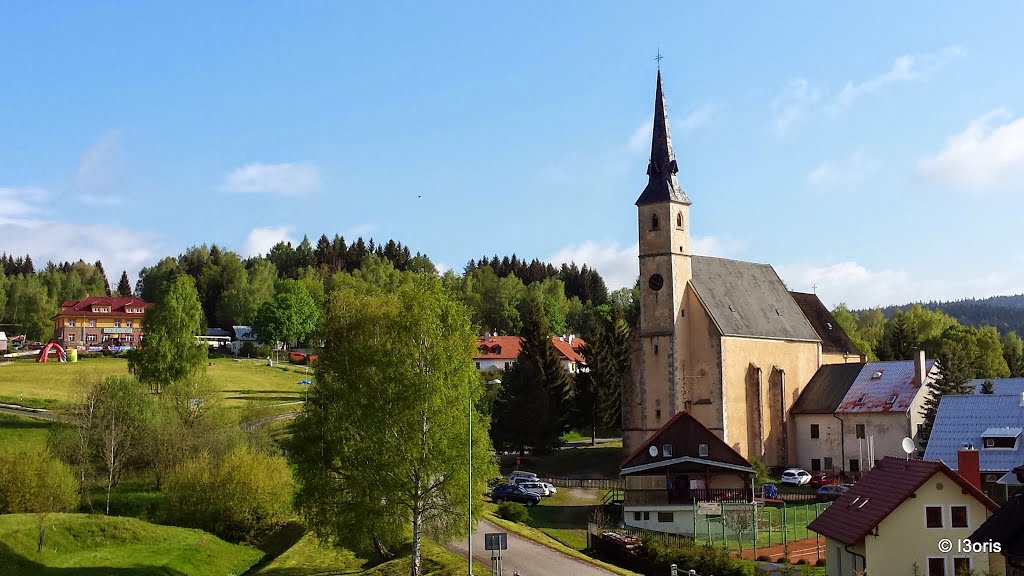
[961, 566]
[860, 431]
[1001, 442]
[90, 337]
[637, 516]
[647, 515]
[128, 323]
[477, 365]
[666, 516]
[815, 464]
[828, 463]
[92, 323]
[933, 516]
[654, 221]
[508, 365]
[657, 415]
[958, 516]
[117, 323]
[936, 567]
[702, 450]
[854, 465]
[128, 338]
[679, 220]
[892, 399]
[71, 336]
[655, 348]
[71, 323]
[815, 432]
[666, 450]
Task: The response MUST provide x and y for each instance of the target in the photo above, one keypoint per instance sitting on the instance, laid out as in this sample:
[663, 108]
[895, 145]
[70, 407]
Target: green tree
[152, 280]
[550, 296]
[900, 339]
[1013, 353]
[990, 362]
[988, 387]
[30, 307]
[598, 397]
[170, 351]
[245, 291]
[124, 286]
[3, 293]
[956, 368]
[381, 444]
[536, 390]
[289, 316]
[34, 481]
[123, 414]
[848, 321]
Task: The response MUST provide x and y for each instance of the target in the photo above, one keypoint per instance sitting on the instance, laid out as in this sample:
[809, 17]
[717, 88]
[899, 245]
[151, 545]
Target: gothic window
[654, 221]
[679, 220]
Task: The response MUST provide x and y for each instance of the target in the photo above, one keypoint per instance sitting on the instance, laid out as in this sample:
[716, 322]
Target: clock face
[656, 282]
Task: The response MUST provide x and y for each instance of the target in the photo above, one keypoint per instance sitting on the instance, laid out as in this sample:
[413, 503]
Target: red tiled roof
[880, 492]
[84, 306]
[508, 347]
[895, 379]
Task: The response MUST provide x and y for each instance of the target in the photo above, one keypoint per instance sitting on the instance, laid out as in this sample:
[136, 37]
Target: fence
[591, 483]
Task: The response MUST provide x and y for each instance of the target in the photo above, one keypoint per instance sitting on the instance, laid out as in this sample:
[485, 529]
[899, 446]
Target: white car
[521, 474]
[796, 477]
[536, 487]
[520, 480]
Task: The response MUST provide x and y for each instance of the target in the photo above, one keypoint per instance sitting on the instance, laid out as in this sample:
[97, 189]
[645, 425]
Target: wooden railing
[661, 496]
[592, 483]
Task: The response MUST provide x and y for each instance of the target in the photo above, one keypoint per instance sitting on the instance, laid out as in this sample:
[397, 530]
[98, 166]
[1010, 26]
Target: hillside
[92, 545]
[1006, 313]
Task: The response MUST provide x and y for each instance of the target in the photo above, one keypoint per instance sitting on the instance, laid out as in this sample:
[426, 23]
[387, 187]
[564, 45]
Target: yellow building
[97, 321]
[905, 514]
[721, 339]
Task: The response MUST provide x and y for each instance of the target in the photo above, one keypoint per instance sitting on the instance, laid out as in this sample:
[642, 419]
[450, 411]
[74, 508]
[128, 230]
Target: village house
[97, 321]
[679, 467]
[896, 517]
[722, 340]
[1006, 528]
[991, 423]
[500, 352]
[851, 415]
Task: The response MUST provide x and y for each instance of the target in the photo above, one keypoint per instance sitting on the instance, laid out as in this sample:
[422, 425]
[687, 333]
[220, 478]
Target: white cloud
[987, 155]
[100, 175]
[291, 178]
[697, 118]
[794, 102]
[839, 174]
[261, 240]
[862, 287]
[906, 68]
[620, 266]
[20, 202]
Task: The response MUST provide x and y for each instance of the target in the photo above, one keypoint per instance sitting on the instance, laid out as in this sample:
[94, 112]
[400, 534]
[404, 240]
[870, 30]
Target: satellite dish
[653, 450]
[908, 446]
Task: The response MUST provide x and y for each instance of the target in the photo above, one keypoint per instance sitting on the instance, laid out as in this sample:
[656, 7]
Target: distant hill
[1006, 313]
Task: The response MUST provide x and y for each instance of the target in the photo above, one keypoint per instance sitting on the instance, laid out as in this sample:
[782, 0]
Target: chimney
[571, 338]
[969, 465]
[919, 368]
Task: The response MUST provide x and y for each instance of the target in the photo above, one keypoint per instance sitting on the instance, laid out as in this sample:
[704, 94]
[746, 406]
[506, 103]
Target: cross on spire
[659, 58]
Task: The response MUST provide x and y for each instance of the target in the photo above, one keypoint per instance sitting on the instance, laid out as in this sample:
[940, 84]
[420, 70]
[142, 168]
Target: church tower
[657, 390]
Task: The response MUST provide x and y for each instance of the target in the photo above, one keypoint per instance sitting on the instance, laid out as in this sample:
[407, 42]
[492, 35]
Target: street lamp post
[469, 517]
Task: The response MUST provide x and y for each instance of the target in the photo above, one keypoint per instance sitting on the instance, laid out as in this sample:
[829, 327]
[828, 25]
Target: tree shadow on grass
[14, 564]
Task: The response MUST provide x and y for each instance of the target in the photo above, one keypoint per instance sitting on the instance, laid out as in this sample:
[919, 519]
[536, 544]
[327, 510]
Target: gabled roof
[871, 395]
[834, 340]
[964, 419]
[685, 434]
[662, 184]
[84, 306]
[508, 347]
[827, 388]
[747, 299]
[880, 492]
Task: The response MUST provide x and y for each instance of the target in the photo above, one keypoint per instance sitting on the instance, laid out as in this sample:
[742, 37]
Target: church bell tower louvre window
[654, 222]
[679, 220]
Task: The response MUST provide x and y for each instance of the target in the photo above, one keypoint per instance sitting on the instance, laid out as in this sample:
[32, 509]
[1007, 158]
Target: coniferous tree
[955, 371]
[536, 390]
[988, 387]
[124, 287]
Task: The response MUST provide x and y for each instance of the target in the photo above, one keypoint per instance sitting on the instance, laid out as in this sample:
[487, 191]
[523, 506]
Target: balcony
[662, 497]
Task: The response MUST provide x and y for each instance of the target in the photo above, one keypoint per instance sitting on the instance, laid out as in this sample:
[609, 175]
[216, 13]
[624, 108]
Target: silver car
[536, 487]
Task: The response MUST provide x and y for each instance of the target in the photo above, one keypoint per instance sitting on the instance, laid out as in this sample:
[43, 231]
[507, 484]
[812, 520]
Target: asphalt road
[527, 557]
[41, 415]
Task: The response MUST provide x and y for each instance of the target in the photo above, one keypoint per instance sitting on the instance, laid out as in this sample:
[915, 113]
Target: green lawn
[308, 557]
[601, 461]
[565, 515]
[54, 385]
[23, 431]
[82, 544]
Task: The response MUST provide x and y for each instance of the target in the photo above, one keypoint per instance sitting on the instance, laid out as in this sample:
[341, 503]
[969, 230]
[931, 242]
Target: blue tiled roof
[1001, 385]
[964, 419]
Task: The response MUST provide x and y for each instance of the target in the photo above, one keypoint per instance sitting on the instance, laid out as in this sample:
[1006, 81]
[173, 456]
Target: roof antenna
[658, 58]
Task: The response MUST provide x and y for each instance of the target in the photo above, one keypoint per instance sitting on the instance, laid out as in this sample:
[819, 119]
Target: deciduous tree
[170, 351]
[289, 316]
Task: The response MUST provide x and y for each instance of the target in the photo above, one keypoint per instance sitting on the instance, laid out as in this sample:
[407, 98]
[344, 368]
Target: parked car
[819, 479]
[521, 474]
[831, 492]
[520, 480]
[514, 493]
[796, 477]
[536, 487]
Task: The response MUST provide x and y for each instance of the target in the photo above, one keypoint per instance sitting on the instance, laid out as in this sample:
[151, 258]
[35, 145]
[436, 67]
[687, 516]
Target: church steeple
[662, 184]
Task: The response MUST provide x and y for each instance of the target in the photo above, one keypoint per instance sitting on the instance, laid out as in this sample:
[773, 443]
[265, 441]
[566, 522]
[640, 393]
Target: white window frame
[945, 564]
[92, 323]
[70, 336]
[942, 518]
[967, 512]
[71, 323]
[90, 337]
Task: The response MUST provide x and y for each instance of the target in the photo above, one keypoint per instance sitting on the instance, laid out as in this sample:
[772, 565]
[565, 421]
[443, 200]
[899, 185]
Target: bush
[763, 558]
[35, 481]
[513, 511]
[802, 561]
[237, 498]
[820, 562]
[782, 560]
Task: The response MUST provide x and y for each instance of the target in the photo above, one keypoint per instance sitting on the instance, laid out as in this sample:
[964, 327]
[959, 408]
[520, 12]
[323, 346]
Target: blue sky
[875, 151]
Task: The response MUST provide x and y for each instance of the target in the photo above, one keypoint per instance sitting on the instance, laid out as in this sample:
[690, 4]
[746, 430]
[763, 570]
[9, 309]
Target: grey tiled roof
[826, 389]
[747, 299]
[964, 419]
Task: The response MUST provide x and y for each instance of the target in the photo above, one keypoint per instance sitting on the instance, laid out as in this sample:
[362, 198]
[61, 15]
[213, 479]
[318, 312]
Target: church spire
[662, 184]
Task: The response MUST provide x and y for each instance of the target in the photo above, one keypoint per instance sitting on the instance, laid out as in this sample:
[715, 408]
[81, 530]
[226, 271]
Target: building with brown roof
[906, 513]
[96, 321]
[500, 352]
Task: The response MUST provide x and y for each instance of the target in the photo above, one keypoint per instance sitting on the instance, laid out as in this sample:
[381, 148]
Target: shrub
[244, 494]
[35, 481]
[802, 561]
[763, 558]
[513, 511]
[820, 562]
[782, 560]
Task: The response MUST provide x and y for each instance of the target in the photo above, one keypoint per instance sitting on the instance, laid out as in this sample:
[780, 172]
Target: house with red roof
[500, 352]
[96, 321]
[685, 480]
[906, 514]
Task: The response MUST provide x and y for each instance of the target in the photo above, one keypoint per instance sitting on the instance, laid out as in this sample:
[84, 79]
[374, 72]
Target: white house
[500, 352]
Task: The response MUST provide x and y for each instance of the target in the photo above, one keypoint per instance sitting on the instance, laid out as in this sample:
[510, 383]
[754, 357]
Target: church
[722, 340]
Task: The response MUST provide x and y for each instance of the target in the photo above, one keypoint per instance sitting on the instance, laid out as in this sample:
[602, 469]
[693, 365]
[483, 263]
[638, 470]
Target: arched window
[654, 221]
[679, 219]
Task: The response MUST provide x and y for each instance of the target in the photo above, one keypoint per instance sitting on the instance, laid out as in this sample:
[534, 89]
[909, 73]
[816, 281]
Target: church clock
[656, 282]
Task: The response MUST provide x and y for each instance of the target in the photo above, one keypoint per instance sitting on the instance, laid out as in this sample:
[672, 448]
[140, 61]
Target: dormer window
[1000, 438]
